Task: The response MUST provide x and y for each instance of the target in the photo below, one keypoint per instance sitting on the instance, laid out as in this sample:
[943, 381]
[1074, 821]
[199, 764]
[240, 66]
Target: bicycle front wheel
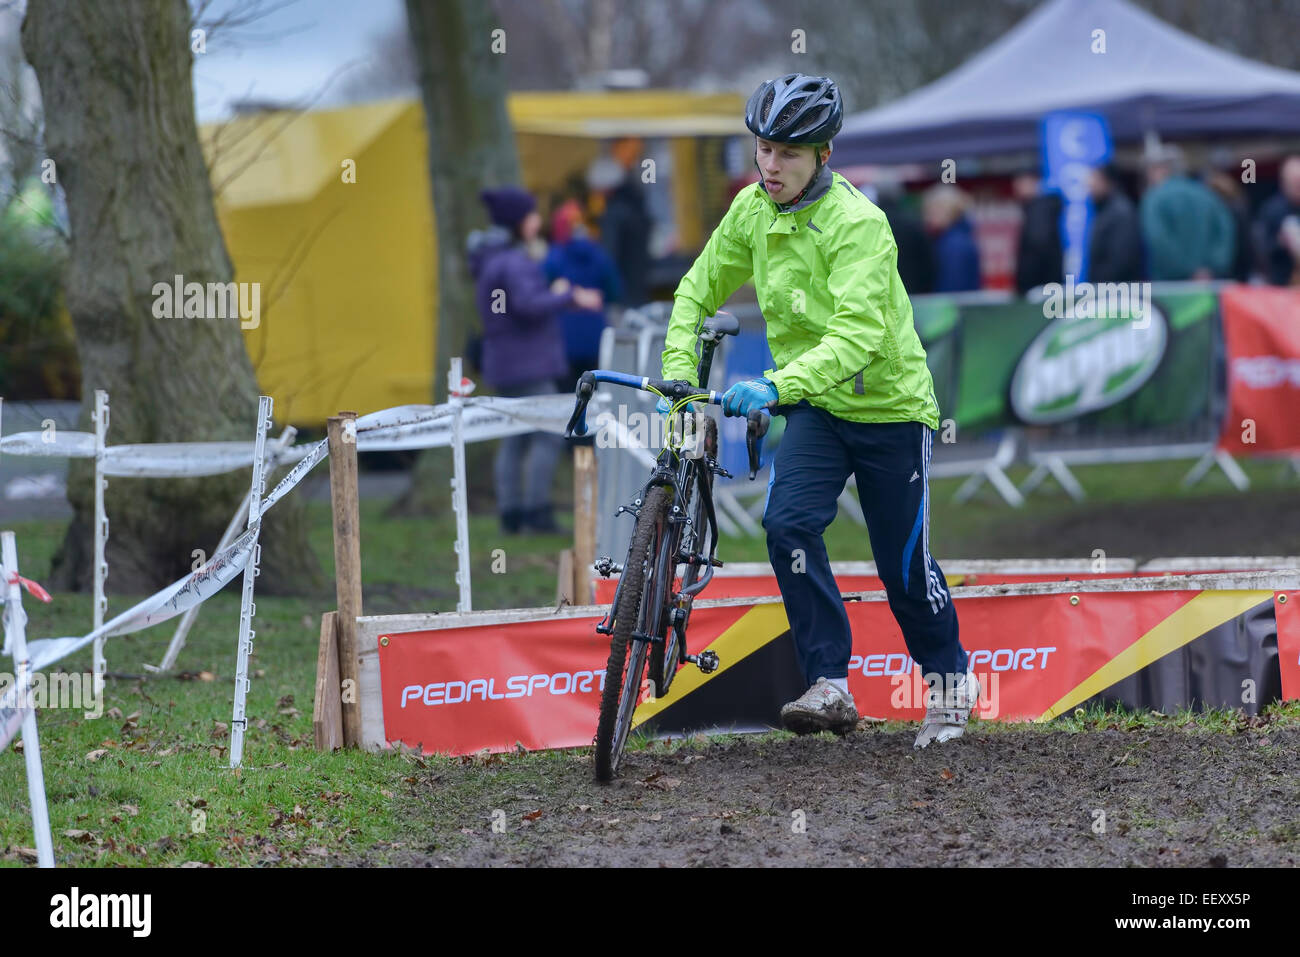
[623, 670]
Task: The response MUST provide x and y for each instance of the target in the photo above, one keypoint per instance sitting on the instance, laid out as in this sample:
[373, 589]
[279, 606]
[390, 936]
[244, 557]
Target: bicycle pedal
[706, 661]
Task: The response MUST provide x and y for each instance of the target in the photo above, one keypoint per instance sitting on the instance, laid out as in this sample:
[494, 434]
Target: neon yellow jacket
[839, 322]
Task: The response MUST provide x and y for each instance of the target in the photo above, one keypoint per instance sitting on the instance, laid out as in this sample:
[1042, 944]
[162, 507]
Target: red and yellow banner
[537, 684]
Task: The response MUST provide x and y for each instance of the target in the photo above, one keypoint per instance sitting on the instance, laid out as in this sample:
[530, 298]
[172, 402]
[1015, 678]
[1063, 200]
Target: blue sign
[1073, 143]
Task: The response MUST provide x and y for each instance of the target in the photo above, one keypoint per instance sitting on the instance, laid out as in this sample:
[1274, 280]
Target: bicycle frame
[679, 477]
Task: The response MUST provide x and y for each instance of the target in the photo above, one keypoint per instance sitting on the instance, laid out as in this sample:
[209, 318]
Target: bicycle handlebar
[672, 389]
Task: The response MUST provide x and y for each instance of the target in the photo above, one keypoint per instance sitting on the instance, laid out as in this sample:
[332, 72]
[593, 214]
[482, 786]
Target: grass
[149, 784]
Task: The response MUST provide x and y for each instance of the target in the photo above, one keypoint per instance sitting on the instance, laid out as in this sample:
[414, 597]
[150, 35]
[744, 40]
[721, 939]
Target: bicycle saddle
[722, 324]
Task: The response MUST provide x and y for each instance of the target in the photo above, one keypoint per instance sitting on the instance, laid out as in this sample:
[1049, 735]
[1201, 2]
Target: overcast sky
[291, 53]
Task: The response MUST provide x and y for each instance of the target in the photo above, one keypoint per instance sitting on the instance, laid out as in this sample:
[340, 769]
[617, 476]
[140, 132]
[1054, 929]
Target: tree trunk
[471, 147]
[119, 125]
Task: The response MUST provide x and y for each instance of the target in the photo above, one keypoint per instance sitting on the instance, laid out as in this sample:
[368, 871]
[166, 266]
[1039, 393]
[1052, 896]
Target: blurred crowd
[1182, 226]
[545, 286]
[543, 291]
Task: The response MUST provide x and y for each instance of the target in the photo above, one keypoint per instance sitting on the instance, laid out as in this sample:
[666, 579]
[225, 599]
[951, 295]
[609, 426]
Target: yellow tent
[330, 212]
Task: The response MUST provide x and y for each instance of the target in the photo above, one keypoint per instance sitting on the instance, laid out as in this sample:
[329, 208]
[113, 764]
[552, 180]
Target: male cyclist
[851, 380]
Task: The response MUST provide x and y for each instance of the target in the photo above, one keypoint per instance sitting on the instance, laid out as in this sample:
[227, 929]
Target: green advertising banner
[1105, 365]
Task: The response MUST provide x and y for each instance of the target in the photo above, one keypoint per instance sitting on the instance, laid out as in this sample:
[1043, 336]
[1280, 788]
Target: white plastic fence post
[229, 535]
[459, 499]
[247, 608]
[15, 631]
[100, 419]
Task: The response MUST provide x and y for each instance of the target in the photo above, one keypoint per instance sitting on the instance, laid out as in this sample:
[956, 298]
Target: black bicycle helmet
[796, 108]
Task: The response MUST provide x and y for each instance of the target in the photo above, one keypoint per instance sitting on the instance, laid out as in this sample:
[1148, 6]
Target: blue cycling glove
[744, 397]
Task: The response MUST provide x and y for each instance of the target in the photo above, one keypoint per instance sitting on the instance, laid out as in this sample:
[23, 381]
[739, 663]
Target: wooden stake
[326, 712]
[584, 522]
[564, 580]
[347, 564]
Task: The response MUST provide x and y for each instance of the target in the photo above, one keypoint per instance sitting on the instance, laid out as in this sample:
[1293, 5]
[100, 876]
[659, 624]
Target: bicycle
[671, 557]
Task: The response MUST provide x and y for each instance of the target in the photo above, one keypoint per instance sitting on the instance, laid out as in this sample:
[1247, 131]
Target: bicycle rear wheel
[623, 670]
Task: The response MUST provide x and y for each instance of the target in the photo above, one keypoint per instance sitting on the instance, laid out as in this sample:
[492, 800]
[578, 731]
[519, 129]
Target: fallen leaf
[28, 854]
[584, 807]
[80, 836]
[656, 817]
[387, 794]
[195, 864]
[207, 676]
[113, 713]
[219, 730]
[317, 852]
[946, 774]
[131, 809]
[533, 815]
[96, 754]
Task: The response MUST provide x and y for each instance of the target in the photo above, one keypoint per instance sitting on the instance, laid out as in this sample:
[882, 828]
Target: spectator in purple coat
[523, 349]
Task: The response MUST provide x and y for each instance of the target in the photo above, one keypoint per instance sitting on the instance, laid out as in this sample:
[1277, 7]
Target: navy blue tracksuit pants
[890, 460]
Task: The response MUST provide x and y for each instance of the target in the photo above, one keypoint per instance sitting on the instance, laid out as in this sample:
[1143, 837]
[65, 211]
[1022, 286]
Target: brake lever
[756, 426]
[578, 421]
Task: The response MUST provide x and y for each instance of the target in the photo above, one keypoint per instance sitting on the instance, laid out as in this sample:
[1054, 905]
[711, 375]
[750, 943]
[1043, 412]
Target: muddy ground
[999, 797]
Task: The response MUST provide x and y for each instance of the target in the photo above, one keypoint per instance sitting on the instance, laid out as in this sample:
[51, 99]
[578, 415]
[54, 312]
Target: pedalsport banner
[537, 684]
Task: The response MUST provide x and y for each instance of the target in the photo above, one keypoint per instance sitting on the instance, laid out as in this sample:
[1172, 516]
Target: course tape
[482, 418]
[313, 455]
[410, 426]
[64, 445]
[14, 706]
[173, 600]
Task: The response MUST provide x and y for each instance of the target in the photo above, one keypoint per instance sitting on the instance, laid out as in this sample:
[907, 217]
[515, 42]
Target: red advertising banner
[537, 684]
[1261, 327]
[1286, 607]
[1032, 653]
[532, 683]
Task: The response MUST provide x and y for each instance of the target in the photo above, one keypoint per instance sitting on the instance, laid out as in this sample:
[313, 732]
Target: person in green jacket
[852, 382]
[1188, 231]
